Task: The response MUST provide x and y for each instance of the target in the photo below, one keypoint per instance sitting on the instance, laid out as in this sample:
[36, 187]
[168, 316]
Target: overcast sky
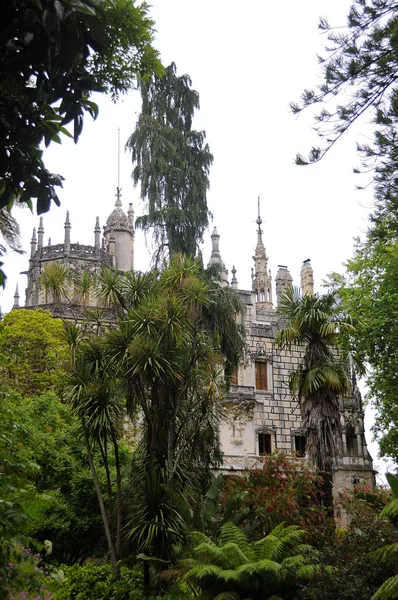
[247, 61]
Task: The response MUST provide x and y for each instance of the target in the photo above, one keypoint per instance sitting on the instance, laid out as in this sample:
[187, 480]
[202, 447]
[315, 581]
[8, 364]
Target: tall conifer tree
[172, 162]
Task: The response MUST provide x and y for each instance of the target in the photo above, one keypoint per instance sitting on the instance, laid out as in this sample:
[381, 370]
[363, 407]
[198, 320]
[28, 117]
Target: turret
[262, 280]
[307, 278]
[119, 231]
[216, 260]
[283, 280]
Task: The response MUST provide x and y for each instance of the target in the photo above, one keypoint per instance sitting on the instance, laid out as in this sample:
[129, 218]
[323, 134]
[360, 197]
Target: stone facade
[261, 415]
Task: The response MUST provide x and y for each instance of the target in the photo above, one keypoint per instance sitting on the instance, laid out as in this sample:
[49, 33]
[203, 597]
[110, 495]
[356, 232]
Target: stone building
[262, 415]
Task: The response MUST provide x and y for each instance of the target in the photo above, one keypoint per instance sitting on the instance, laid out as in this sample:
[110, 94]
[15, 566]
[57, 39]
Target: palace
[263, 416]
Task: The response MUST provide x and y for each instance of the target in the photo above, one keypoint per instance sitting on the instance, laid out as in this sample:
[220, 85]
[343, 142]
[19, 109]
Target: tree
[172, 163]
[96, 400]
[270, 568]
[368, 292]
[168, 355]
[53, 55]
[359, 73]
[316, 324]
[34, 355]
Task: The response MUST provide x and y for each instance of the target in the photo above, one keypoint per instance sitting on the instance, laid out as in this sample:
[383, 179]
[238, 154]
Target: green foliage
[275, 566]
[25, 576]
[68, 50]
[368, 292]
[19, 498]
[34, 354]
[355, 574]
[97, 582]
[172, 163]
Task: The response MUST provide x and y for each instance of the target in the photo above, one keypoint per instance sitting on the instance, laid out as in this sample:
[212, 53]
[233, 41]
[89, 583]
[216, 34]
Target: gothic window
[352, 441]
[234, 377]
[261, 375]
[264, 443]
[299, 445]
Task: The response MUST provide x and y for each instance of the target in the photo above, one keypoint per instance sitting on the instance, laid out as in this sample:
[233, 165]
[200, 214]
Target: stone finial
[283, 281]
[67, 227]
[215, 258]
[40, 234]
[234, 281]
[97, 236]
[49, 242]
[130, 215]
[16, 298]
[307, 278]
[33, 243]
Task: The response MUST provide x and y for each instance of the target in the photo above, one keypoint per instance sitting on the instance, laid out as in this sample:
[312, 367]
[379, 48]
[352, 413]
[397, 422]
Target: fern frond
[210, 552]
[201, 572]
[227, 596]
[270, 547]
[234, 555]
[388, 590]
[390, 511]
[386, 554]
[232, 533]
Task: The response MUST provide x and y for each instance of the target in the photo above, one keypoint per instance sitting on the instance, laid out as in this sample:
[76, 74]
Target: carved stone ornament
[259, 352]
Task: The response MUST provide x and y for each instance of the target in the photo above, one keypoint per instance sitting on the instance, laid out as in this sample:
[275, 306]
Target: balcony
[242, 394]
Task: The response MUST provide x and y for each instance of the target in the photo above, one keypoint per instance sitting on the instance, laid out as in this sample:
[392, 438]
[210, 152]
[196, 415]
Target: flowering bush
[282, 489]
[26, 576]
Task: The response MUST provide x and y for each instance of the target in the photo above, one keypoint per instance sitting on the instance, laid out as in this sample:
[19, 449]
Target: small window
[299, 445]
[264, 443]
[352, 441]
[261, 375]
[234, 377]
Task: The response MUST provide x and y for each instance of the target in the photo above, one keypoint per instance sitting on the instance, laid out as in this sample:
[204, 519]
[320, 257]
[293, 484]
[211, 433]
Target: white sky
[247, 61]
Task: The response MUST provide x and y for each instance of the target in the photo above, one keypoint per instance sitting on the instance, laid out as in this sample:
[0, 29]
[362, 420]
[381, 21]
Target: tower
[216, 260]
[283, 280]
[119, 236]
[262, 281]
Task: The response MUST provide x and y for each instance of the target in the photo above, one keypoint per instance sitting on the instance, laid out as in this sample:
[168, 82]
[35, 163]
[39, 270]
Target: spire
[283, 280]
[40, 236]
[67, 227]
[33, 243]
[97, 236]
[234, 281]
[130, 215]
[262, 281]
[216, 260]
[118, 203]
[307, 278]
[16, 298]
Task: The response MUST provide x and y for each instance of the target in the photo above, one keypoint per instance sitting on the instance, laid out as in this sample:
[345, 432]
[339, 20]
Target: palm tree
[95, 397]
[274, 567]
[168, 355]
[315, 324]
[55, 279]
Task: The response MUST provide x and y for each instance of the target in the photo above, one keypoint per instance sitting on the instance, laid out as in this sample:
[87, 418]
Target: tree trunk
[101, 504]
